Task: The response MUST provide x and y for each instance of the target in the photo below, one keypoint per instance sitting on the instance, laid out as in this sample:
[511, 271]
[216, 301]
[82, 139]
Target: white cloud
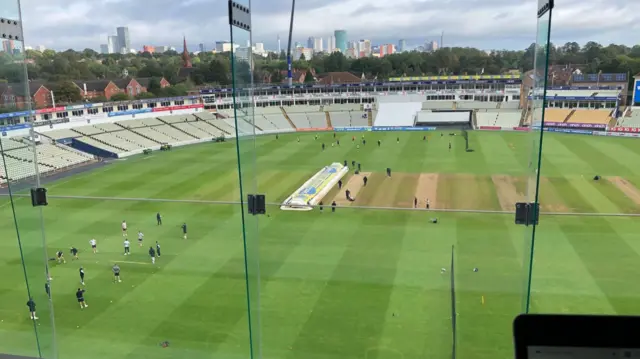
[482, 23]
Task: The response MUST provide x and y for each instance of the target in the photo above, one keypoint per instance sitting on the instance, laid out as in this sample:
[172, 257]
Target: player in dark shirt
[379, 142]
[80, 298]
[152, 254]
[116, 273]
[184, 230]
[82, 275]
[333, 206]
[32, 308]
[158, 248]
[323, 146]
[60, 257]
[415, 202]
[449, 146]
[74, 252]
[47, 289]
[159, 218]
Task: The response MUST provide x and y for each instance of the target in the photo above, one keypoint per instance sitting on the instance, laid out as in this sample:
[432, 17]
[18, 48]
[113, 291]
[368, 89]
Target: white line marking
[131, 262]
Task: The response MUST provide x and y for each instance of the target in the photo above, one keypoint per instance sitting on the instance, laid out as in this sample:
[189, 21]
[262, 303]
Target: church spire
[186, 59]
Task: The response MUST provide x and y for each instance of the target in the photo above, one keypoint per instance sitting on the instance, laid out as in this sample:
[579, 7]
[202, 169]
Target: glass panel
[245, 133]
[23, 254]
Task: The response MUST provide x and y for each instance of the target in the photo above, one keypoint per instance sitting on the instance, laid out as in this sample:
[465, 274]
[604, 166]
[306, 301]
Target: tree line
[215, 69]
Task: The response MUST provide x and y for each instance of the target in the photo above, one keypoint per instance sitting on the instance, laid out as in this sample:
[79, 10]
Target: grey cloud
[483, 23]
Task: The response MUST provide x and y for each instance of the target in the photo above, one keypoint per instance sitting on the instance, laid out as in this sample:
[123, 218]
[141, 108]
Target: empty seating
[470, 105]
[299, 119]
[317, 119]
[340, 119]
[359, 119]
[60, 134]
[207, 128]
[633, 120]
[278, 120]
[591, 116]
[88, 130]
[556, 114]
[108, 127]
[437, 105]
[192, 130]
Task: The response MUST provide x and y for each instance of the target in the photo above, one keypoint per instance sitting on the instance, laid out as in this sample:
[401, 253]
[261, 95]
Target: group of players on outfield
[153, 252]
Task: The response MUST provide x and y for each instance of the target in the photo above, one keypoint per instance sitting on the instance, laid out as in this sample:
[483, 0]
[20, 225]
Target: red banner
[176, 108]
[50, 110]
[312, 129]
[626, 129]
[492, 128]
[521, 128]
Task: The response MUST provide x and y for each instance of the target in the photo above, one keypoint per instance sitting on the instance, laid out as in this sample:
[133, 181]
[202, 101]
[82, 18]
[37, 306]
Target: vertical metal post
[289, 72]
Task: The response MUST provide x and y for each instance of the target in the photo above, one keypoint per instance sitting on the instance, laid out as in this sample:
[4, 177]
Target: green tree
[145, 95]
[121, 96]
[66, 92]
[308, 78]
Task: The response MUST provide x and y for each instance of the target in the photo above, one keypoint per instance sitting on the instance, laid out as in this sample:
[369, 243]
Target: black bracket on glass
[527, 213]
[239, 16]
[256, 204]
[39, 197]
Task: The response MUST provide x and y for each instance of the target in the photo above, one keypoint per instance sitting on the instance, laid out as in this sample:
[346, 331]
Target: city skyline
[497, 24]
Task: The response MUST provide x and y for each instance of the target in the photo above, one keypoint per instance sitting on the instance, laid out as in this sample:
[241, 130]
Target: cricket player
[116, 273]
[140, 237]
[94, 245]
[152, 254]
[184, 230]
[74, 252]
[127, 248]
[124, 228]
[81, 275]
[159, 218]
[80, 298]
[158, 248]
[60, 257]
[32, 308]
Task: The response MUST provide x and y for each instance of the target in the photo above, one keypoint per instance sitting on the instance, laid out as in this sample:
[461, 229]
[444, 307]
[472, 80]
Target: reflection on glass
[24, 266]
[245, 133]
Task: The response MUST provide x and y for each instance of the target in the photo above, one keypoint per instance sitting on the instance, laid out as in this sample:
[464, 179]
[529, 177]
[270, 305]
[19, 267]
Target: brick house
[144, 82]
[338, 78]
[130, 86]
[13, 95]
[94, 88]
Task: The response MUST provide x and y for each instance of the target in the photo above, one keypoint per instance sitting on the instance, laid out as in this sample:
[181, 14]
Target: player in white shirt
[124, 228]
[140, 237]
[126, 247]
[94, 245]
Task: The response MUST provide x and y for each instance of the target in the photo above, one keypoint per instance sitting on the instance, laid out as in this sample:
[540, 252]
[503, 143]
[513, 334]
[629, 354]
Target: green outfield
[357, 283]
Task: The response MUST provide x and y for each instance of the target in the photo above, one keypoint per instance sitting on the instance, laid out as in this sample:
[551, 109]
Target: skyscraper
[279, 46]
[201, 47]
[341, 40]
[402, 45]
[317, 45]
[331, 44]
[112, 44]
[104, 49]
[310, 42]
[124, 42]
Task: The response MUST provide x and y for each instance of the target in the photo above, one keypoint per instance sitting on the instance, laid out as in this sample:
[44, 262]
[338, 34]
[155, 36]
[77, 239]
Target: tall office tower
[341, 40]
[104, 49]
[279, 46]
[201, 47]
[310, 42]
[317, 45]
[402, 45]
[124, 42]
[331, 44]
[112, 43]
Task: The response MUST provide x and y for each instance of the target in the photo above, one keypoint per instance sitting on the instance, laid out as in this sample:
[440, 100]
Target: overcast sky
[486, 24]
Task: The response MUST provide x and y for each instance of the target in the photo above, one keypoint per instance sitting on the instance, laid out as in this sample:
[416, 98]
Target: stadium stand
[397, 114]
[442, 105]
[19, 159]
[299, 119]
[632, 119]
[591, 116]
[194, 131]
[359, 118]
[88, 130]
[470, 105]
[340, 119]
[557, 114]
[317, 119]
[60, 134]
